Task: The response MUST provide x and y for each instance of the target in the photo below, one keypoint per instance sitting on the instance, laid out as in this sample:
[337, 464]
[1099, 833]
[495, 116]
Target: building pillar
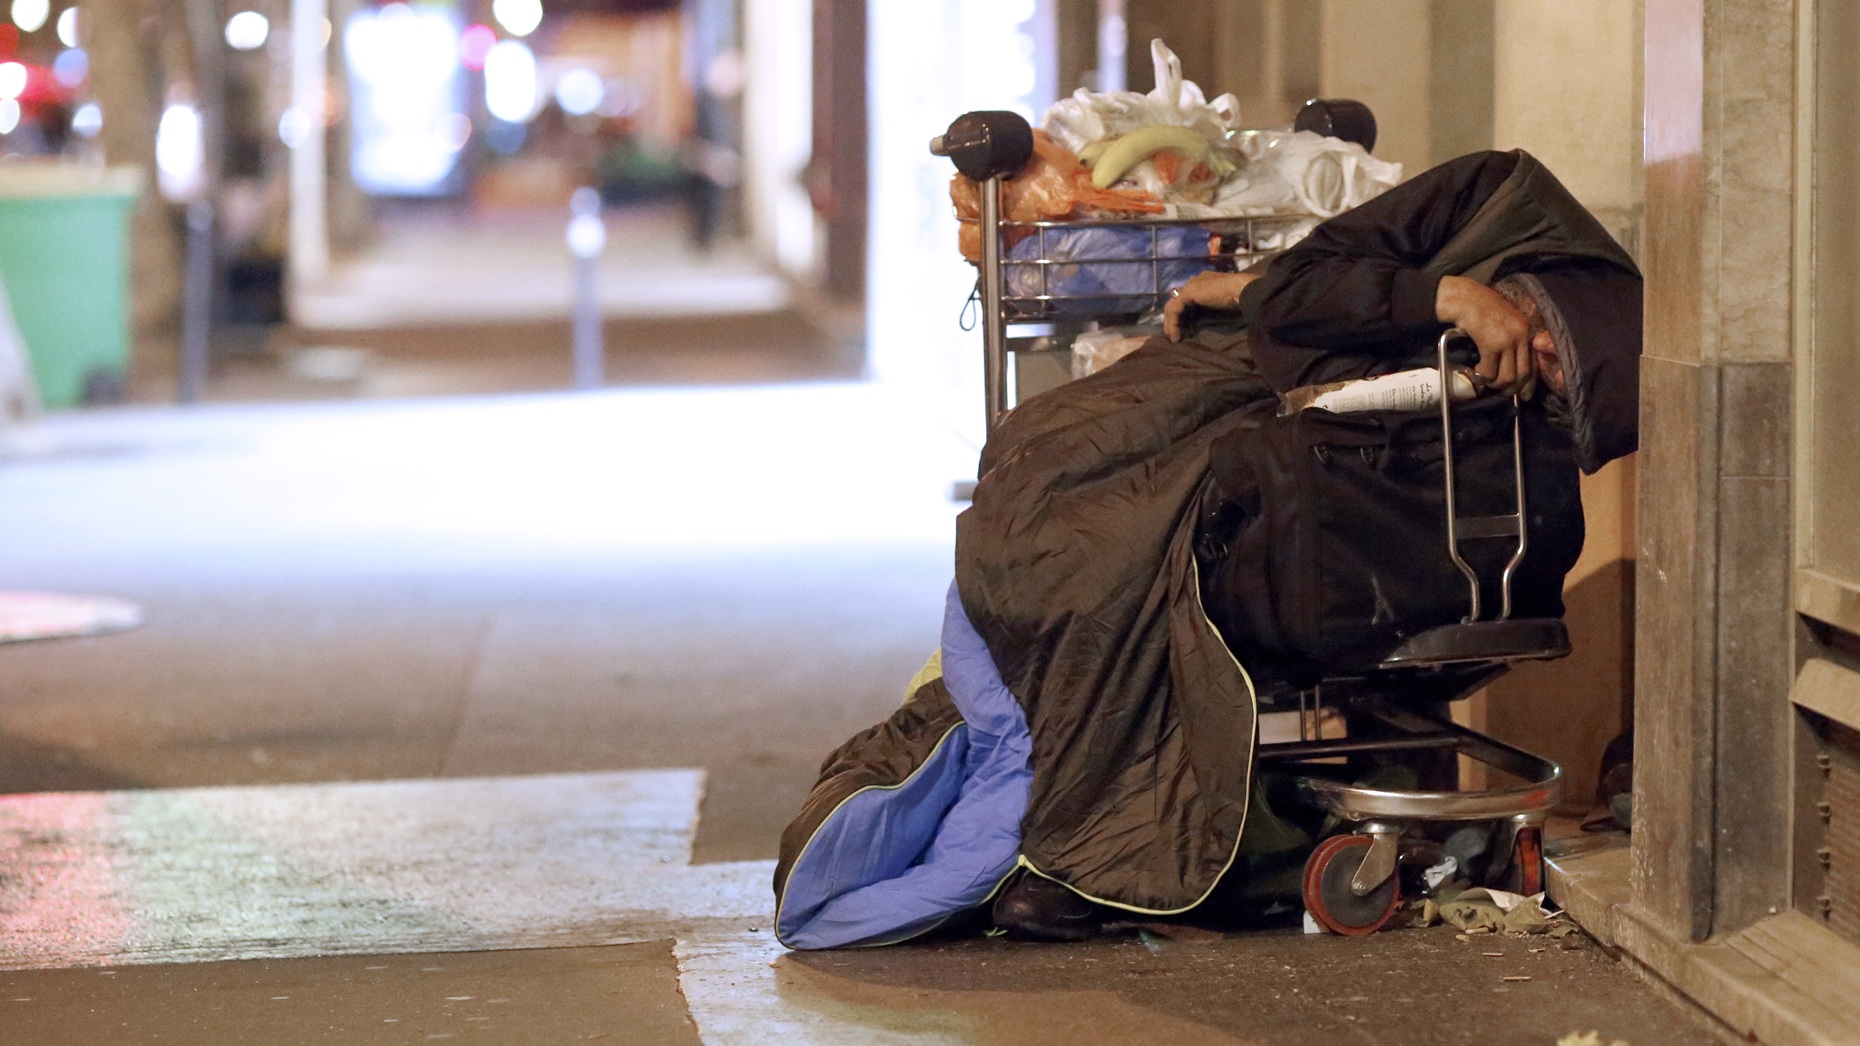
[1714, 631]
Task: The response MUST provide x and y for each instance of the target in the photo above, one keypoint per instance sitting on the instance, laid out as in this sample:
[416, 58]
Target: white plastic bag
[1089, 116]
[1093, 351]
[1300, 171]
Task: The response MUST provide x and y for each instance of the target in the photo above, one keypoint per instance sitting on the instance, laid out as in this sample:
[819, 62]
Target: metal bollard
[197, 302]
[587, 237]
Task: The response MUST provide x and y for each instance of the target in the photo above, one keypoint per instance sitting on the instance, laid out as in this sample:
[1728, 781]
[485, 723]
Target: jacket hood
[1593, 313]
[1587, 287]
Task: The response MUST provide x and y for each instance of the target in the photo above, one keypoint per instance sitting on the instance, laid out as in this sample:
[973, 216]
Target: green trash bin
[64, 257]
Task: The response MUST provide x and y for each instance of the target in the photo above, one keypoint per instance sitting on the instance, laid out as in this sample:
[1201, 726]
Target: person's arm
[1356, 289]
[1217, 291]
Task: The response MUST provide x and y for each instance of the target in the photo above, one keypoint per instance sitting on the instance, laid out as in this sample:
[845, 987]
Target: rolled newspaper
[1404, 390]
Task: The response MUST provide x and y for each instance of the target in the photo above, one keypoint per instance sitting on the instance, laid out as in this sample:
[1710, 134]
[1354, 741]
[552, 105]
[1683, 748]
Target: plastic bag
[1175, 177]
[1089, 116]
[1299, 171]
[1088, 275]
[1053, 185]
[1093, 351]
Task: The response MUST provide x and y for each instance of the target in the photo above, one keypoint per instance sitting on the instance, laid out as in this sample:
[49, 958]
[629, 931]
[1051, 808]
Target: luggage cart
[1028, 310]
[1351, 882]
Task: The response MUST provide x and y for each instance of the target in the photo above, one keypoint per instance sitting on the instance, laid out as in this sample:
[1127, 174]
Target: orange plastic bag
[1052, 187]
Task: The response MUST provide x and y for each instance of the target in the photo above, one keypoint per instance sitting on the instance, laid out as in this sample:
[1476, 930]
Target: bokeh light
[9, 116]
[12, 80]
[29, 15]
[71, 67]
[406, 84]
[725, 76]
[68, 27]
[455, 131]
[294, 127]
[621, 99]
[520, 17]
[87, 122]
[578, 91]
[510, 81]
[476, 41]
[587, 236]
[178, 151]
[247, 31]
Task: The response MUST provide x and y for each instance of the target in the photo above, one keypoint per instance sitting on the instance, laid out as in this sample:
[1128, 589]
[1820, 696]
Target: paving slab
[620, 994]
[1406, 987]
[358, 868]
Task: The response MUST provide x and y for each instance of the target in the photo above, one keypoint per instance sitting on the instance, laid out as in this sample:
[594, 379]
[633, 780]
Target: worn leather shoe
[1039, 909]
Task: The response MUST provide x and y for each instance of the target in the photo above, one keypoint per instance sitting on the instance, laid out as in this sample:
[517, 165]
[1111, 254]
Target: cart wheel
[1328, 896]
[1525, 874]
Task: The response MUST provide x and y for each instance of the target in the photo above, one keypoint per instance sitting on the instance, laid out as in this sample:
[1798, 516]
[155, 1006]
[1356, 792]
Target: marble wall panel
[1674, 628]
[1755, 720]
[1714, 630]
[1749, 210]
[1758, 402]
[1670, 260]
[1674, 81]
[1673, 92]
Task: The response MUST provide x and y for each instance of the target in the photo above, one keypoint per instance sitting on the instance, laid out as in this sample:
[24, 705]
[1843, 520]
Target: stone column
[1711, 788]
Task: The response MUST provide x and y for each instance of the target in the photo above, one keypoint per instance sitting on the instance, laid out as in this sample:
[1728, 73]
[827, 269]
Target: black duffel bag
[1325, 544]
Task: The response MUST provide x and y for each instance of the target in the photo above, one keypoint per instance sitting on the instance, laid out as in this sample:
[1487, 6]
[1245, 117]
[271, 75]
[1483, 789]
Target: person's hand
[1205, 290]
[1502, 333]
[1549, 364]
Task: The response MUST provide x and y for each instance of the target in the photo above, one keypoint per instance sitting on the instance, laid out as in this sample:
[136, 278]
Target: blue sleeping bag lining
[894, 862]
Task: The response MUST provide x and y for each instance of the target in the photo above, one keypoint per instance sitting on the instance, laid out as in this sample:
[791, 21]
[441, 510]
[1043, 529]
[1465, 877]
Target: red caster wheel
[1525, 874]
[1328, 896]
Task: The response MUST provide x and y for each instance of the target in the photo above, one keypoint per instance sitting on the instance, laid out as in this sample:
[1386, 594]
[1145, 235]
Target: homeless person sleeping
[1084, 741]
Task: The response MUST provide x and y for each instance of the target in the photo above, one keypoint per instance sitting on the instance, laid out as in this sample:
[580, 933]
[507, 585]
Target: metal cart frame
[1235, 244]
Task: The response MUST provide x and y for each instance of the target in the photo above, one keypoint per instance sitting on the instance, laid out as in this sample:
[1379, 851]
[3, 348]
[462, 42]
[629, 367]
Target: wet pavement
[1276, 987]
[527, 687]
[566, 908]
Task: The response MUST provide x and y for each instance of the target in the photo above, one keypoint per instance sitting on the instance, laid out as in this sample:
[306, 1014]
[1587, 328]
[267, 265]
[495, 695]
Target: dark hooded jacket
[1076, 562]
[1356, 297]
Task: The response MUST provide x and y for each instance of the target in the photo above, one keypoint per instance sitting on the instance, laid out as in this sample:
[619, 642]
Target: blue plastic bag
[1088, 274]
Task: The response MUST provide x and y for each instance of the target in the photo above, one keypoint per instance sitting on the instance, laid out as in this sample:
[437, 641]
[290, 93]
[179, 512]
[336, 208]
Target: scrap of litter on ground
[1482, 910]
[1588, 1038]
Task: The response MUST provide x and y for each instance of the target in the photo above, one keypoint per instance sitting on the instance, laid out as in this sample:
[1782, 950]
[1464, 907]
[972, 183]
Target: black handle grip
[1343, 118]
[987, 142]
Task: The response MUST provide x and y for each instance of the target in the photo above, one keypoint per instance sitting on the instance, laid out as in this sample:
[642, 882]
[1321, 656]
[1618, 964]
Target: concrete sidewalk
[683, 598]
[502, 266]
